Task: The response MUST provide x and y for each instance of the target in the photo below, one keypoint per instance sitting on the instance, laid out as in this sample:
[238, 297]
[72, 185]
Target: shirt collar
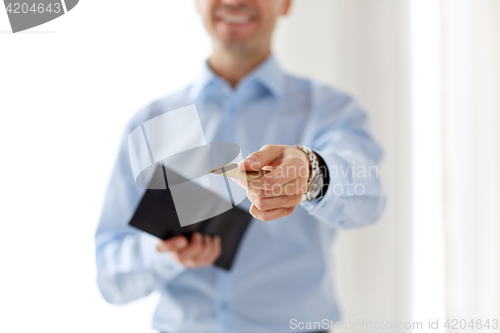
[268, 74]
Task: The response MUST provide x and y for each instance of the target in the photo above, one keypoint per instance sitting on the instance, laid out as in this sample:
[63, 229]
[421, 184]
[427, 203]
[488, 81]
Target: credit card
[232, 170]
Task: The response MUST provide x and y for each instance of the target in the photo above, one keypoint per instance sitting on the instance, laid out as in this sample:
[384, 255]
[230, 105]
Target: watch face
[316, 186]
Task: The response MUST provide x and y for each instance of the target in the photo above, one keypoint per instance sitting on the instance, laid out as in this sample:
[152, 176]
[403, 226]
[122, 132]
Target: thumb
[267, 155]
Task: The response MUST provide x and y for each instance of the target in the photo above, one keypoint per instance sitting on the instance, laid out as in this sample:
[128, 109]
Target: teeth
[236, 18]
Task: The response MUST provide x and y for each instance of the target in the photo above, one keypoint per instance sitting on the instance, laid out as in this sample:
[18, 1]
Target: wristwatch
[315, 182]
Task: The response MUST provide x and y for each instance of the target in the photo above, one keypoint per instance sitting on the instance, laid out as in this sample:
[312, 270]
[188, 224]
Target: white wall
[471, 78]
[359, 46]
[67, 89]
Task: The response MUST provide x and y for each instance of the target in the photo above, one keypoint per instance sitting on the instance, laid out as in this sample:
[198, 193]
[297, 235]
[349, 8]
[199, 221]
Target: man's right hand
[201, 251]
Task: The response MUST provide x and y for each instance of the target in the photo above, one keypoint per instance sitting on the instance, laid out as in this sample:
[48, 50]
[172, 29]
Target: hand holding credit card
[231, 170]
[287, 170]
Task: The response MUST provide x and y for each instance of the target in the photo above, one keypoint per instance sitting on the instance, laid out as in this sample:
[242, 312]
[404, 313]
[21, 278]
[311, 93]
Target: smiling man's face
[241, 25]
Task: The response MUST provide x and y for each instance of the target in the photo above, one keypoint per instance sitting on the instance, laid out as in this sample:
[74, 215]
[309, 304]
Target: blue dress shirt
[284, 268]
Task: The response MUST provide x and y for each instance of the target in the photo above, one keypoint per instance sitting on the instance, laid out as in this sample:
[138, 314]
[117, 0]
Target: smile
[235, 19]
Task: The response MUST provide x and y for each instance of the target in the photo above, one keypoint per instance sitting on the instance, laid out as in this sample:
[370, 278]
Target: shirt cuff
[162, 265]
[328, 208]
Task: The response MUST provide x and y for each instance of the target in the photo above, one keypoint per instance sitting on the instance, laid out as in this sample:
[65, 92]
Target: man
[282, 276]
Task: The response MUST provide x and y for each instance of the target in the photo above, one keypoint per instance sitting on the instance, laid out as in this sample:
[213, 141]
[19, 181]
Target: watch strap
[315, 170]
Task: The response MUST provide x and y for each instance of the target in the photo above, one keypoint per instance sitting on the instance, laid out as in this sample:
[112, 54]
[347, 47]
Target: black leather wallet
[156, 214]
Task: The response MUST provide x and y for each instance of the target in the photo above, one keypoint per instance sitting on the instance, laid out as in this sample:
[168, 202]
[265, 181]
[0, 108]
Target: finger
[295, 186]
[285, 201]
[173, 244]
[217, 249]
[193, 250]
[287, 171]
[242, 183]
[208, 250]
[266, 156]
[270, 215]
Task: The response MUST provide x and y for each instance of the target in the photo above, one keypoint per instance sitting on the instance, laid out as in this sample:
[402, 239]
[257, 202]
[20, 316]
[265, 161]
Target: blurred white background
[426, 70]
[67, 89]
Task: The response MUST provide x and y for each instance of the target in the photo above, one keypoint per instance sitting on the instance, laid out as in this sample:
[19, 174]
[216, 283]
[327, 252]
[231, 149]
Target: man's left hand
[277, 193]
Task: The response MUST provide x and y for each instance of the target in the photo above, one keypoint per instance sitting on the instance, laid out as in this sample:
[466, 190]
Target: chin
[236, 42]
[233, 33]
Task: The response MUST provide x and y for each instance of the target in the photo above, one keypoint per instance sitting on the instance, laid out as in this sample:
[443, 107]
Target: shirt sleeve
[339, 131]
[128, 265]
